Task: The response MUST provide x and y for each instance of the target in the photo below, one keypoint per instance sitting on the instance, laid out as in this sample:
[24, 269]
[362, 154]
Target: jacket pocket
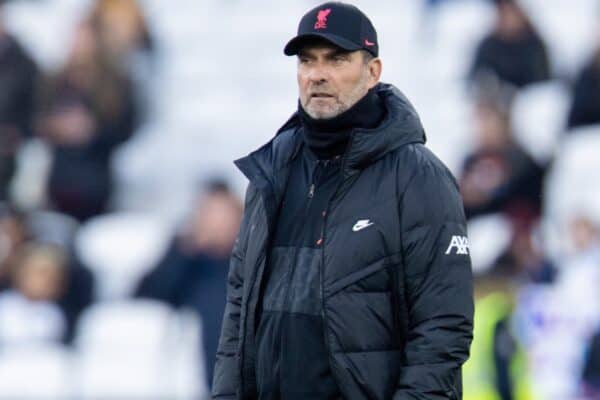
[357, 276]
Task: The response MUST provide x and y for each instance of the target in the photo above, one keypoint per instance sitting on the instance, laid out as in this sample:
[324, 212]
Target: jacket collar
[401, 125]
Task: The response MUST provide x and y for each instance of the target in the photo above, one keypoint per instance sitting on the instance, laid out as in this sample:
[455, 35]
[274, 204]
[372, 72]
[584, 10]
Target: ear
[374, 69]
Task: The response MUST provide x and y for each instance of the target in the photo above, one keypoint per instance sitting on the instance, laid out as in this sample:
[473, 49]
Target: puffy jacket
[396, 294]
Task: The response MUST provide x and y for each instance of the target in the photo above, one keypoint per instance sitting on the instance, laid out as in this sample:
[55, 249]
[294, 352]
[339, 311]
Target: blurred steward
[193, 273]
[18, 74]
[512, 52]
[497, 368]
[87, 110]
[585, 107]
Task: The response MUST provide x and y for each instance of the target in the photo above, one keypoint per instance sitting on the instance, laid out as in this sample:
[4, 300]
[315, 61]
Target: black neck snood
[328, 138]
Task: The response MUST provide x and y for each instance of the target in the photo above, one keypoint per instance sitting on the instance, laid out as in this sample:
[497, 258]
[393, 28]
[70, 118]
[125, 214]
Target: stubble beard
[341, 104]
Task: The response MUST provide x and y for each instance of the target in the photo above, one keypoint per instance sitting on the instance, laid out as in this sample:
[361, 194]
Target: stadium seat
[33, 166]
[569, 29]
[138, 350]
[35, 22]
[459, 26]
[572, 187]
[52, 227]
[188, 367]
[118, 248]
[36, 373]
[539, 115]
[489, 237]
[24, 322]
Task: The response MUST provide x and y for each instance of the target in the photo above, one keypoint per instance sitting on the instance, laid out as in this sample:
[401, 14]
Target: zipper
[286, 301]
[322, 270]
[310, 195]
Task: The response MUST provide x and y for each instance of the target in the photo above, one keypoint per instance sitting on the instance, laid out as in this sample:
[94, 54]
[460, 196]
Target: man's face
[331, 80]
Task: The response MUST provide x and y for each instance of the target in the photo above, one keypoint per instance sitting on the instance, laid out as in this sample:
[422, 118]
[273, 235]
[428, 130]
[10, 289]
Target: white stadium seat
[459, 26]
[138, 350]
[36, 373]
[539, 115]
[119, 248]
[569, 29]
[572, 187]
[489, 237]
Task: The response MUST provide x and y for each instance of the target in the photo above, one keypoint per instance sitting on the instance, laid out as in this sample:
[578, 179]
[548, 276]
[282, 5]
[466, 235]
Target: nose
[317, 74]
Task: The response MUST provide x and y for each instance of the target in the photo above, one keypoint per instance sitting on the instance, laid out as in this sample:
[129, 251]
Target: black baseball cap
[342, 24]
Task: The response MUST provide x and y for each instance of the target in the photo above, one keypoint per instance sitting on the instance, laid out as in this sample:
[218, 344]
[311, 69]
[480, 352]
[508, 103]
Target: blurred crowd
[537, 316]
[82, 112]
[537, 328]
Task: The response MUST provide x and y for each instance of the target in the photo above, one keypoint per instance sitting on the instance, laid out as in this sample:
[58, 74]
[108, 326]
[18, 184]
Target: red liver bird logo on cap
[322, 18]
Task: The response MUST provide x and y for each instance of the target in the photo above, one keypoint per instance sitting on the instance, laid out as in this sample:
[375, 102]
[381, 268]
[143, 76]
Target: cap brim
[294, 45]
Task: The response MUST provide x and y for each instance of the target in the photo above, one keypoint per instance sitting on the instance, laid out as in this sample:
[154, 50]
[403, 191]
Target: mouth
[321, 95]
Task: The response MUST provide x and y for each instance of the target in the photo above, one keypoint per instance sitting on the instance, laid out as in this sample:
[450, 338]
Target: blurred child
[28, 314]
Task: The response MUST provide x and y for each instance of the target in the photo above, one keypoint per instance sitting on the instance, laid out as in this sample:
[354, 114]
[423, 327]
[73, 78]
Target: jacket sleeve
[226, 379]
[438, 288]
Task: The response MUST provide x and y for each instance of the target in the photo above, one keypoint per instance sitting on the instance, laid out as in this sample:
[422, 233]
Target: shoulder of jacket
[419, 162]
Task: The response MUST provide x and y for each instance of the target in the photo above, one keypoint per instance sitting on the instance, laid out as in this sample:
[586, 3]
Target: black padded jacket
[395, 279]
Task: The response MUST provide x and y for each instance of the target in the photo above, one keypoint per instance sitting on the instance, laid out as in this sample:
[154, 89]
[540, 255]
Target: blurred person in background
[193, 273]
[121, 30]
[513, 53]
[124, 37]
[524, 260]
[498, 175]
[87, 111]
[591, 370]
[555, 323]
[77, 286]
[28, 312]
[577, 287]
[13, 234]
[580, 272]
[18, 75]
[78, 293]
[585, 106]
[497, 368]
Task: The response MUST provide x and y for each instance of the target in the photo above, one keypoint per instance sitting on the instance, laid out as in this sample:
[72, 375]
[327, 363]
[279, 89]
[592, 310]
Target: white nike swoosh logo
[361, 224]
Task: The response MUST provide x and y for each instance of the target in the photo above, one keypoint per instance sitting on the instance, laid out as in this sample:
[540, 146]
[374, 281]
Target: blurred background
[119, 202]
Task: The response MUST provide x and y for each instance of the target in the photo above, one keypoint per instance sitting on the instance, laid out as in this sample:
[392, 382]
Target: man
[350, 277]
[192, 272]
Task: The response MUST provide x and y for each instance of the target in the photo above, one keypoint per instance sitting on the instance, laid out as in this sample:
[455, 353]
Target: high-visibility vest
[479, 372]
